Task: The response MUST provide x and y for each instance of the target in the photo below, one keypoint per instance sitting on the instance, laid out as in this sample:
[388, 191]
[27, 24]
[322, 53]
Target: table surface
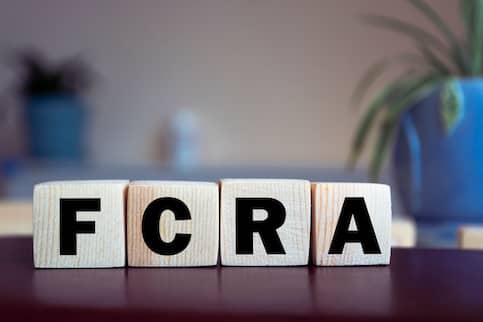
[419, 285]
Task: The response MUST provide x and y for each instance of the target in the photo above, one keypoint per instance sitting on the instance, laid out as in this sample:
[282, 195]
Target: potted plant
[431, 114]
[54, 109]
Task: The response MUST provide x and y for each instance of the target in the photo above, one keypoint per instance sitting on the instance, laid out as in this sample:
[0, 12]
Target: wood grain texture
[470, 237]
[294, 233]
[15, 218]
[327, 201]
[202, 200]
[104, 248]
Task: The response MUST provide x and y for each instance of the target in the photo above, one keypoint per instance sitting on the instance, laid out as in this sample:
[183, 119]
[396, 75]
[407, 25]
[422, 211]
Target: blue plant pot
[56, 127]
[440, 177]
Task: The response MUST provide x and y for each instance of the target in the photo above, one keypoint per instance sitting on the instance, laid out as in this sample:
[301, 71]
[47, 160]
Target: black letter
[70, 227]
[246, 226]
[150, 224]
[364, 234]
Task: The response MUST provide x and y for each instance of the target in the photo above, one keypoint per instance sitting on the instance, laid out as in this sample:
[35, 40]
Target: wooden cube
[403, 232]
[79, 224]
[351, 224]
[470, 237]
[15, 218]
[173, 223]
[265, 222]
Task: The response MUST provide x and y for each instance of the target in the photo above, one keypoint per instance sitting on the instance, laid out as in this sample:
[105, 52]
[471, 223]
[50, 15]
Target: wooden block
[91, 214]
[265, 222]
[15, 218]
[351, 224]
[166, 200]
[470, 237]
[403, 232]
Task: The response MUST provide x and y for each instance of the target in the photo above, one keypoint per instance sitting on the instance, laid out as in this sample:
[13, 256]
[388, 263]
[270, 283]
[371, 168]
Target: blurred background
[199, 90]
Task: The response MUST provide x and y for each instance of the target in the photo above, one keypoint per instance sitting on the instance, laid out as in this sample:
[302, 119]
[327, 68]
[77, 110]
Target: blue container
[56, 127]
[439, 176]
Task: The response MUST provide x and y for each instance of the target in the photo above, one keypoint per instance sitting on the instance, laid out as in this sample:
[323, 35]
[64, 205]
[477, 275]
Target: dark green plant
[437, 61]
[38, 77]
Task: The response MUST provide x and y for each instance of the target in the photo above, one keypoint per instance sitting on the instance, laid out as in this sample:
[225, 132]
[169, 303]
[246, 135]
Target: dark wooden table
[419, 285]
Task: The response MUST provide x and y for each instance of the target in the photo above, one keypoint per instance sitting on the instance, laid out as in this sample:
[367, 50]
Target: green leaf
[412, 31]
[410, 93]
[434, 60]
[381, 149]
[395, 111]
[457, 51]
[377, 69]
[418, 90]
[466, 11]
[386, 98]
[472, 16]
[369, 117]
[451, 106]
[476, 40]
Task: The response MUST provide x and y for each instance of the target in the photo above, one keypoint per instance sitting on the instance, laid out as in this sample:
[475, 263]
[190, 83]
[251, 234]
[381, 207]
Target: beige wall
[270, 79]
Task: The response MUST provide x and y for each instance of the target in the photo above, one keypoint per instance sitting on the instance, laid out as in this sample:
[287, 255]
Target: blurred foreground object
[54, 110]
[403, 232]
[470, 237]
[432, 110]
[15, 218]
